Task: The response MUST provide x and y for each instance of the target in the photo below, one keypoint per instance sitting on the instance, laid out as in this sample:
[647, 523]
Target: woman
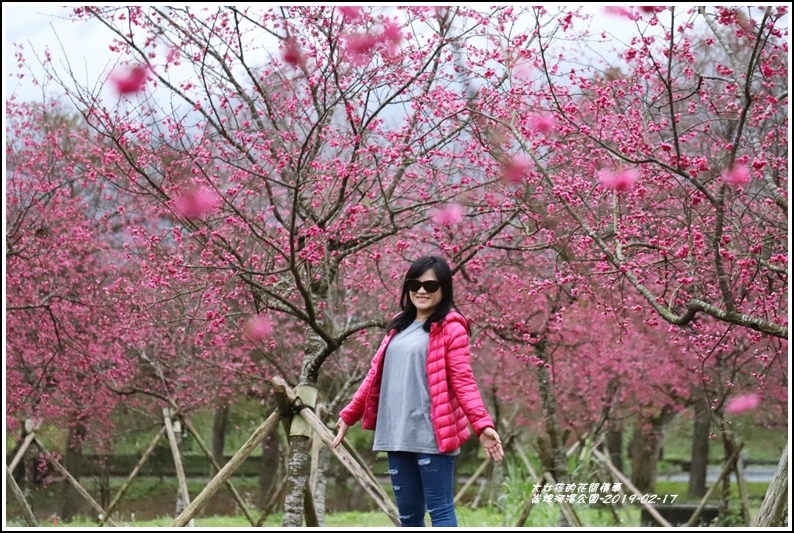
[421, 391]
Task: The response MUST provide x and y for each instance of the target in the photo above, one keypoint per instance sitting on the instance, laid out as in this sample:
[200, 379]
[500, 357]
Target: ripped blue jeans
[423, 482]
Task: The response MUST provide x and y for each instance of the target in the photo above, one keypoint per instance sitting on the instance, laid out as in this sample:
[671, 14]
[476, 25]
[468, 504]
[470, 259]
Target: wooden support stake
[374, 489]
[314, 469]
[726, 470]
[528, 507]
[30, 518]
[612, 510]
[743, 496]
[228, 469]
[359, 460]
[627, 483]
[477, 473]
[215, 464]
[565, 507]
[285, 412]
[180, 472]
[309, 510]
[271, 503]
[21, 452]
[525, 460]
[146, 454]
[522, 519]
[72, 480]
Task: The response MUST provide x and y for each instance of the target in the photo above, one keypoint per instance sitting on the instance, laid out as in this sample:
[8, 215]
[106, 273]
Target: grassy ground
[542, 516]
[150, 501]
[760, 444]
[487, 517]
[150, 496]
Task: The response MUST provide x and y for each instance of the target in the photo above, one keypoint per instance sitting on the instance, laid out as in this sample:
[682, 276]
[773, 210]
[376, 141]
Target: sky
[38, 26]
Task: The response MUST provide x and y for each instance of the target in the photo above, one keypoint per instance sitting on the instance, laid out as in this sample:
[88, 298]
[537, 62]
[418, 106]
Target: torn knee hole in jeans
[423, 462]
[393, 472]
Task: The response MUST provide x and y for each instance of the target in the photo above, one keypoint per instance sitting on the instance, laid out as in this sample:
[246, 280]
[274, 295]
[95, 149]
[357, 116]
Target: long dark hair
[408, 310]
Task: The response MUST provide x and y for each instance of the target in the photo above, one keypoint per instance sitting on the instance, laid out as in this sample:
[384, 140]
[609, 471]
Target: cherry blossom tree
[273, 171]
[585, 369]
[661, 172]
[282, 165]
[62, 335]
[667, 165]
[91, 338]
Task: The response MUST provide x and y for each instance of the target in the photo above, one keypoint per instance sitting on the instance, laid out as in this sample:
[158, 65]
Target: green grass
[755, 491]
[760, 443]
[133, 432]
[541, 516]
[505, 515]
[515, 492]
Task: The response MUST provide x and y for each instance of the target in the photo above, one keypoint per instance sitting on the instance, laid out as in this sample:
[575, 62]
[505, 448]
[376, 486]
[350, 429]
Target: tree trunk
[297, 478]
[772, 511]
[273, 472]
[220, 422]
[321, 481]
[699, 460]
[644, 450]
[558, 459]
[298, 466]
[614, 447]
[559, 466]
[314, 350]
[72, 461]
[104, 484]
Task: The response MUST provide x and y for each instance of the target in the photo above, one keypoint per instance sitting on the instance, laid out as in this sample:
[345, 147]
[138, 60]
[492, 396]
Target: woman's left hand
[492, 444]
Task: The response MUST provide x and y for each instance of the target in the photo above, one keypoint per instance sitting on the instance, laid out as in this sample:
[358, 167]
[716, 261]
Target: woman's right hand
[342, 428]
[492, 444]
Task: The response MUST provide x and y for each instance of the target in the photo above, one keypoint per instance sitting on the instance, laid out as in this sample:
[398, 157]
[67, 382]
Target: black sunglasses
[430, 285]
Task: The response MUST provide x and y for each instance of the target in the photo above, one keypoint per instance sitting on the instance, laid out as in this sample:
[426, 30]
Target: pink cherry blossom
[619, 181]
[292, 53]
[130, 80]
[359, 47]
[542, 123]
[737, 176]
[617, 10]
[197, 202]
[173, 55]
[523, 71]
[257, 328]
[628, 12]
[514, 170]
[740, 404]
[649, 9]
[392, 34]
[448, 215]
[350, 13]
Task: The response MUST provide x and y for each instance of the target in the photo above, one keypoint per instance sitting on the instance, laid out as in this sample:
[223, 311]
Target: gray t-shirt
[404, 406]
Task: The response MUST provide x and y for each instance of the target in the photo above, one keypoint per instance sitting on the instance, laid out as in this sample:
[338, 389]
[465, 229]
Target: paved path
[752, 474]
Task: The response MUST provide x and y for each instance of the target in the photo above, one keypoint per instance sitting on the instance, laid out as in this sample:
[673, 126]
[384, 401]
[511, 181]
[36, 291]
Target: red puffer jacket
[455, 399]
